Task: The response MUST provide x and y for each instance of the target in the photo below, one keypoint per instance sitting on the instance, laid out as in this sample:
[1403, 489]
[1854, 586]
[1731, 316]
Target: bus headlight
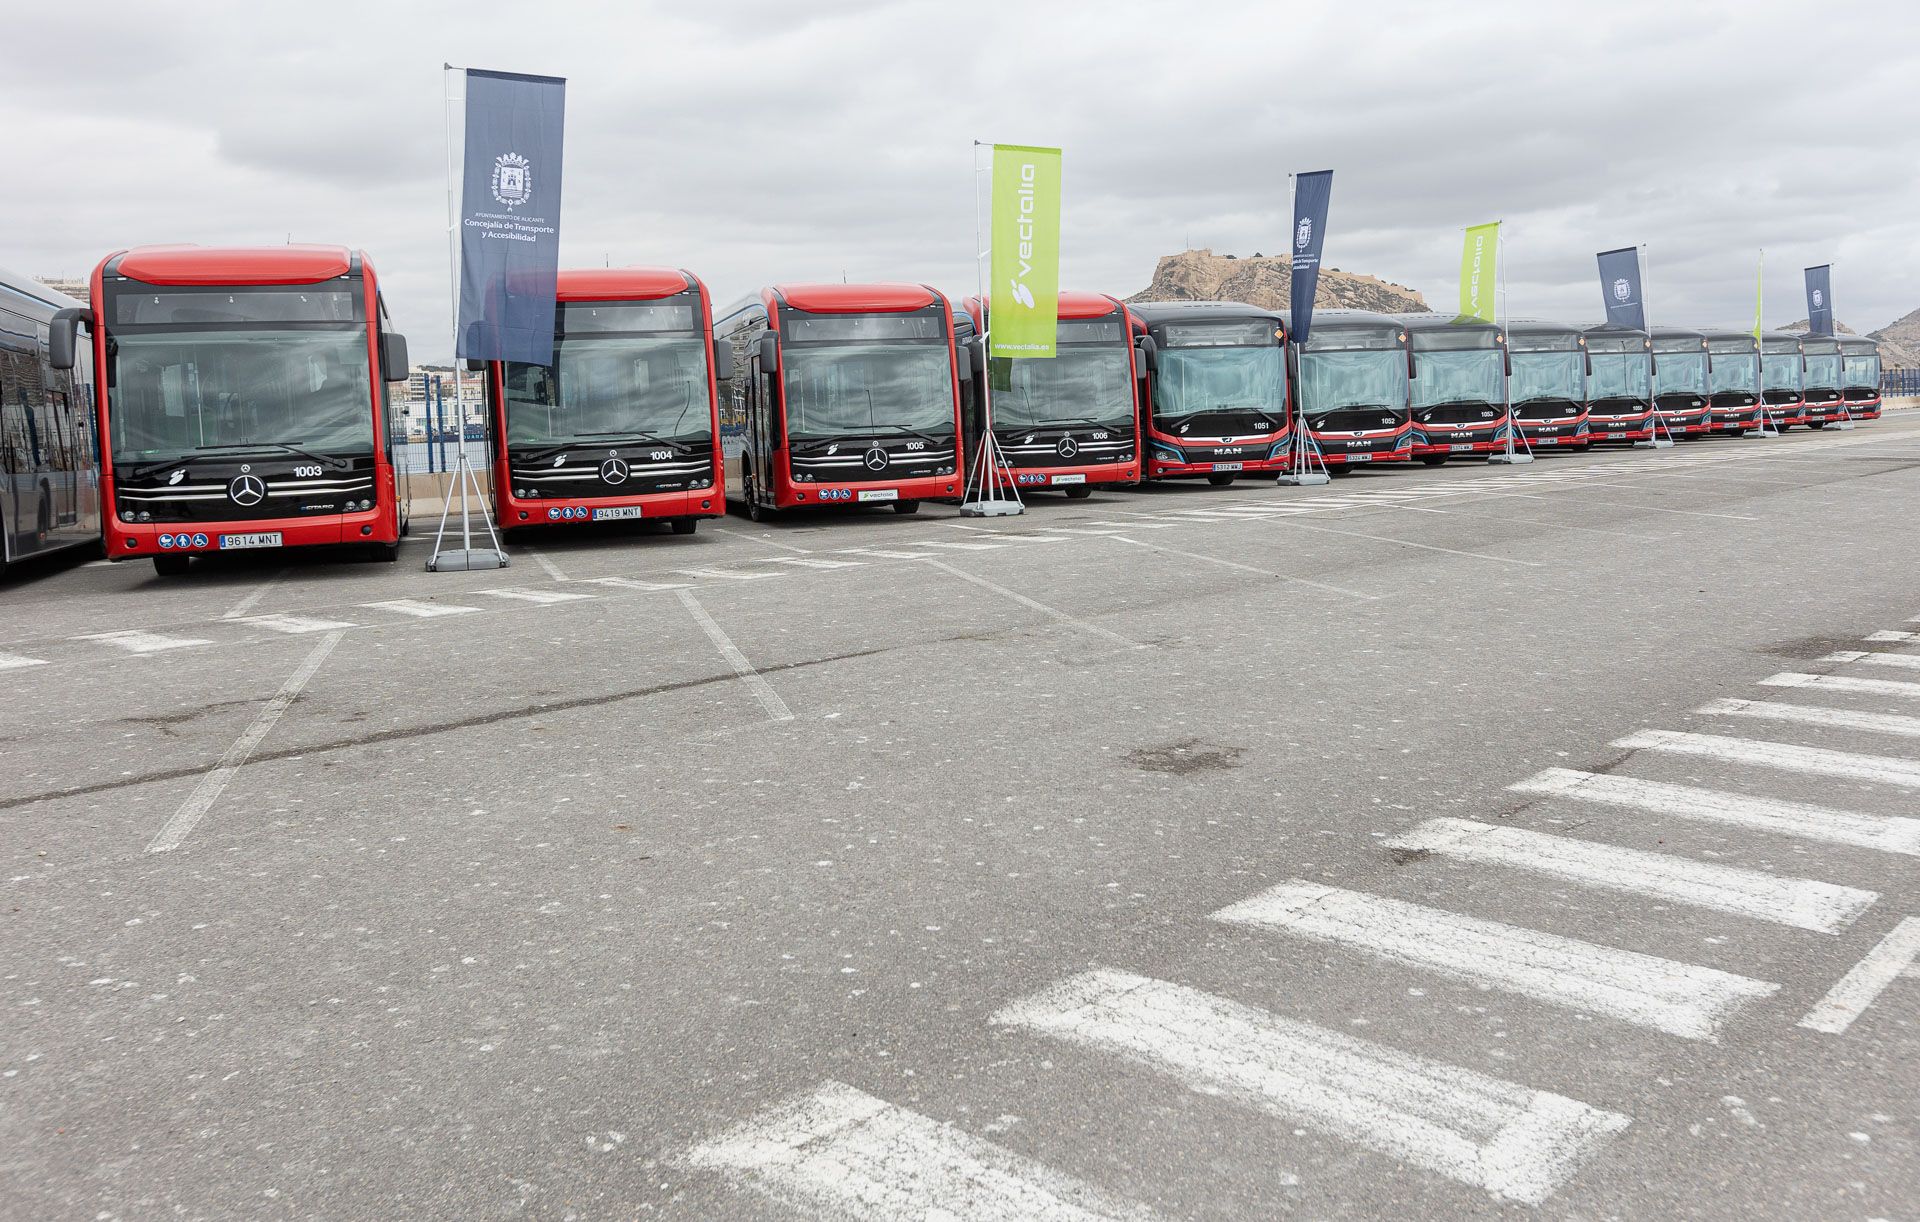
[126, 515]
[145, 516]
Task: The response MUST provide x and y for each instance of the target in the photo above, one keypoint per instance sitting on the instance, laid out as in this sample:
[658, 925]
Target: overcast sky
[805, 139]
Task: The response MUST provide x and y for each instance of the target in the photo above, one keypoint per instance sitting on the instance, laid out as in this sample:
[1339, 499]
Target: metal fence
[1900, 381]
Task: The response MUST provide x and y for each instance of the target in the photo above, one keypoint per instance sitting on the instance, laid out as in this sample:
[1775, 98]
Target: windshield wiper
[612, 436]
[904, 431]
[1459, 403]
[149, 468]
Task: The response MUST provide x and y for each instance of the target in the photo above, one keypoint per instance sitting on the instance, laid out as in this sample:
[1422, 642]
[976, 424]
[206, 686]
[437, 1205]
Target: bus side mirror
[769, 353]
[476, 365]
[977, 356]
[964, 365]
[1588, 354]
[1506, 358]
[63, 335]
[393, 356]
[1149, 352]
[1411, 371]
[722, 361]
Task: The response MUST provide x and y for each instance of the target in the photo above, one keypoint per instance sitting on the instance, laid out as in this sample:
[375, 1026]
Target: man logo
[247, 491]
[614, 471]
[512, 180]
[1303, 236]
[177, 476]
[1622, 290]
[876, 459]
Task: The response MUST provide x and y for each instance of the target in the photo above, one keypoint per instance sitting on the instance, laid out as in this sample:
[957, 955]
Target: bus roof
[857, 298]
[1677, 339]
[623, 283]
[1544, 335]
[1200, 311]
[1816, 344]
[1719, 335]
[1858, 343]
[15, 285]
[1609, 337]
[233, 264]
[1070, 304]
[1424, 330]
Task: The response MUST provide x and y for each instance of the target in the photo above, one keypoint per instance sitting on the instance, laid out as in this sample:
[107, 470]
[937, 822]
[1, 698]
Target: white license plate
[1229, 466]
[880, 494]
[267, 539]
[1359, 458]
[617, 512]
[1076, 479]
[1457, 449]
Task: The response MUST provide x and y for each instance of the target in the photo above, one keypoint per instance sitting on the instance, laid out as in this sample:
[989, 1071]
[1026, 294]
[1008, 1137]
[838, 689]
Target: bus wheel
[905, 507]
[1434, 460]
[1781, 428]
[1816, 424]
[171, 566]
[388, 552]
[1220, 481]
[1079, 492]
[684, 526]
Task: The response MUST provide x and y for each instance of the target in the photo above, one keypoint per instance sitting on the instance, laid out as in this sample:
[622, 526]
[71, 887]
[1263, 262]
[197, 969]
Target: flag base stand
[1306, 479]
[466, 558]
[1508, 460]
[1658, 443]
[1305, 457]
[990, 492]
[991, 509]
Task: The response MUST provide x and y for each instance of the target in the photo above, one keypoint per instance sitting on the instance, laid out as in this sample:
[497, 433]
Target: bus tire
[684, 526]
[388, 552]
[1079, 492]
[907, 507]
[171, 566]
[1816, 424]
[1434, 460]
[1220, 481]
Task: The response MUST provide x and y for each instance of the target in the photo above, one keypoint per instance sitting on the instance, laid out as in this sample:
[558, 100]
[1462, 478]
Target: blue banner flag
[1820, 299]
[1311, 193]
[1620, 288]
[510, 216]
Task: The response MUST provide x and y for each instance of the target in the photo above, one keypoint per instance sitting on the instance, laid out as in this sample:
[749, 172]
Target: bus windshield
[611, 387]
[837, 389]
[1780, 371]
[1548, 375]
[1863, 371]
[1620, 375]
[1330, 381]
[1736, 373]
[1681, 373]
[1459, 377]
[1823, 370]
[1225, 379]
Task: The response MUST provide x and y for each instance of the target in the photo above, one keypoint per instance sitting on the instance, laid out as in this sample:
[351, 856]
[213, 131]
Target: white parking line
[957, 547]
[1677, 998]
[1905, 661]
[1887, 833]
[14, 661]
[1845, 683]
[1811, 715]
[1798, 902]
[836, 1152]
[1816, 760]
[1514, 1142]
[1425, 547]
[418, 609]
[1248, 568]
[759, 538]
[808, 562]
[722, 575]
[885, 554]
[207, 792]
[294, 625]
[1857, 990]
[769, 699]
[538, 597]
[1033, 605]
[629, 583]
[1691, 513]
[1887, 638]
[135, 641]
[252, 599]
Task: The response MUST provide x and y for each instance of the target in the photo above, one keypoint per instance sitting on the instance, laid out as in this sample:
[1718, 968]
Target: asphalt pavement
[1456, 842]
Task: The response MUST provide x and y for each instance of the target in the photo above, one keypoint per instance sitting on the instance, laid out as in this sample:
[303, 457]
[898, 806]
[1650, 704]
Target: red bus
[1354, 373]
[1619, 384]
[1217, 403]
[1549, 384]
[1073, 421]
[1460, 386]
[243, 401]
[624, 423]
[1680, 386]
[1734, 379]
[1783, 370]
[1860, 376]
[1825, 401]
[841, 394]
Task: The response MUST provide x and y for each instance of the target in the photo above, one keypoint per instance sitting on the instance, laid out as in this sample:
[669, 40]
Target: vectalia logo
[1021, 292]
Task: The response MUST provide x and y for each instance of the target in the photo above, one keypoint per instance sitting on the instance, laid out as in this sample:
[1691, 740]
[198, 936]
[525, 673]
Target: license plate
[1359, 458]
[1229, 466]
[269, 538]
[616, 512]
[1073, 479]
[880, 494]
[1460, 448]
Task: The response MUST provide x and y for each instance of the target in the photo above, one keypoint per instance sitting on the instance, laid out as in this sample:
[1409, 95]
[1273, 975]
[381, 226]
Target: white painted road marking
[253, 598]
[808, 562]
[1817, 760]
[1514, 1142]
[1887, 833]
[1906, 661]
[418, 609]
[207, 792]
[1857, 990]
[1248, 568]
[294, 625]
[1425, 547]
[756, 682]
[723, 575]
[1042, 608]
[629, 583]
[1892, 637]
[135, 641]
[1677, 998]
[1812, 715]
[539, 597]
[552, 569]
[837, 1152]
[1798, 902]
[1845, 683]
[13, 661]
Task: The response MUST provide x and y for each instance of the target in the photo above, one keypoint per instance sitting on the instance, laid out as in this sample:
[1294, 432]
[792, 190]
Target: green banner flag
[1026, 251]
[1759, 296]
[1477, 261]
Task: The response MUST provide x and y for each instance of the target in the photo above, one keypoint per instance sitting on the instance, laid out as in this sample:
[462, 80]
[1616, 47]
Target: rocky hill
[1899, 340]
[1267, 282]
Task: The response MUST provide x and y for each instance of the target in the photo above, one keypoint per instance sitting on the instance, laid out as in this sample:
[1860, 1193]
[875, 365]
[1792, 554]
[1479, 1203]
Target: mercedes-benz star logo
[1067, 448]
[876, 459]
[614, 471]
[247, 490]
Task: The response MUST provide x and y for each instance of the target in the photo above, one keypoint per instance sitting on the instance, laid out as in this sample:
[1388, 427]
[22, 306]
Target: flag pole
[1767, 426]
[1511, 457]
[1653, 357]
[453, 264]
[1304, 451]
[983, 494]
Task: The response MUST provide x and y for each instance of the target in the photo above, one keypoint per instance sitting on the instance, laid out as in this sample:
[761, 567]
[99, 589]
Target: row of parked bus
[243, 399]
